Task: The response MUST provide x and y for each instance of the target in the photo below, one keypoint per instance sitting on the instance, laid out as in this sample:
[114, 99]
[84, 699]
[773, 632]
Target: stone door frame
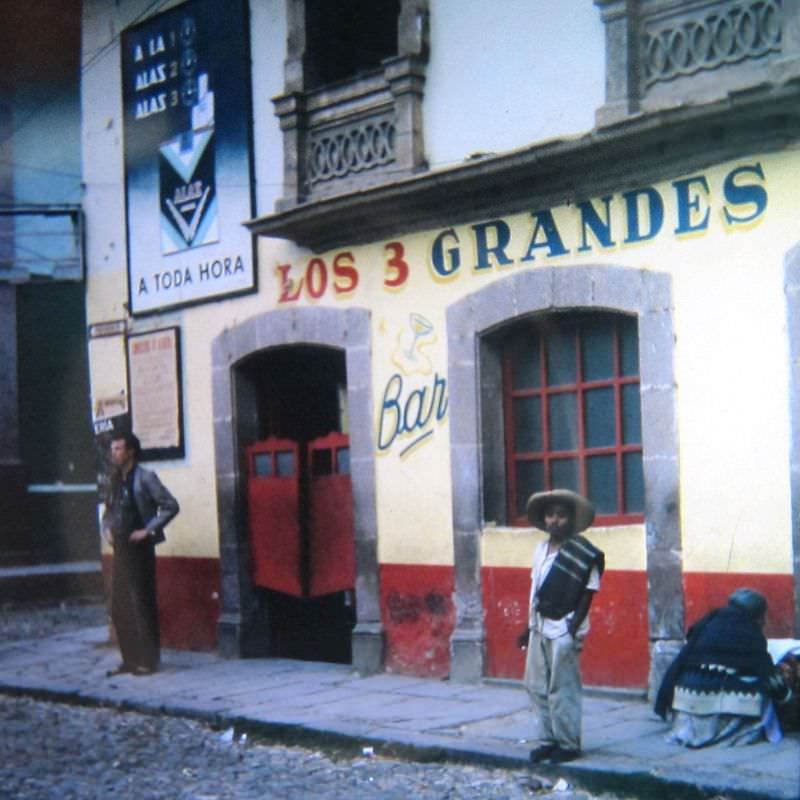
[240, 629]
[792, 290]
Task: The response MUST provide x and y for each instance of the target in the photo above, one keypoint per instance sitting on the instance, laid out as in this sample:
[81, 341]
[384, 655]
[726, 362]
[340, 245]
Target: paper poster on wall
[154, 377]
[188, 165]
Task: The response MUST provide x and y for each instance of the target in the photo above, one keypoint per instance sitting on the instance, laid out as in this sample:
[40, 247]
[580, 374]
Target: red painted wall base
[418, 614]
[188, 600]
[616, 652]
[707, 590]
[418, 618]
[617, 648]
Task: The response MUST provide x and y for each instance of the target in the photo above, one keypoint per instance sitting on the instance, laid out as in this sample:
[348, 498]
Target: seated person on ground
[722, 684]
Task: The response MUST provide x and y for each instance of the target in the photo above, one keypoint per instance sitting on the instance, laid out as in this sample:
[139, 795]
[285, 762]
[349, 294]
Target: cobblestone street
[51, 750]
[34, 623]
[316, 730]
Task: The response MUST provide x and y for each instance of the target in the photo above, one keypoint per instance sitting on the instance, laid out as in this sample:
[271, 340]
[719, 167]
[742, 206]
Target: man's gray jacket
[155, 503]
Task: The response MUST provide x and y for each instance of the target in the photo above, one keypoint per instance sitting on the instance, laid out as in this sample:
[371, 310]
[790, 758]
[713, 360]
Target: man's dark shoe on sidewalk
[542, 752]
[120, 669]
[558, 755]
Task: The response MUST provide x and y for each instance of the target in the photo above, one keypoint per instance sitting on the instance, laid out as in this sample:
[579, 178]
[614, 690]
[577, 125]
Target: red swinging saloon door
[331, 541]
[273, 491]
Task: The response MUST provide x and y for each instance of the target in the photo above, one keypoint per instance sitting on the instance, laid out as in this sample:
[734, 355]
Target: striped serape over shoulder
[567, 579]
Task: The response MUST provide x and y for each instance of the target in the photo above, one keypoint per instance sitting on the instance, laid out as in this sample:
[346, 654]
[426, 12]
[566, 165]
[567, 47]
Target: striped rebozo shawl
[731, 642]
[567, 579]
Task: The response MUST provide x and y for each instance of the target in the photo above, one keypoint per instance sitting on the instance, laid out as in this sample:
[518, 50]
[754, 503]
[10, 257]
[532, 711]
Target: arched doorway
[256, 364]
[300, 503]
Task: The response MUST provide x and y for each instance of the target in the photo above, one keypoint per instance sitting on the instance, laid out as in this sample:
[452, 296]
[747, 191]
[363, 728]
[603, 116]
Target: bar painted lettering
[413, 414]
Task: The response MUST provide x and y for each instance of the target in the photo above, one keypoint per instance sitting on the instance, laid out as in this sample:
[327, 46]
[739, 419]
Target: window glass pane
[561, 357]
[527, 425]
[525, 367]
[634, 483]
[628, 346]
[343, 461]
[348, 37]
[601, 476]
[285, 464]
[563, 421]
[530, 479]
[597, 346]
[262, 463]
[564, 474]
[599, 418]
[631, 414]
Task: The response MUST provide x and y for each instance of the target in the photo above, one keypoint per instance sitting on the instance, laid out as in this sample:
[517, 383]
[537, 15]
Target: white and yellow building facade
[615, 311]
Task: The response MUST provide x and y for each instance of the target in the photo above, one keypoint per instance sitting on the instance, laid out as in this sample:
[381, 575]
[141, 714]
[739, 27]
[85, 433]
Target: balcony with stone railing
[666, 53]
[354, 133]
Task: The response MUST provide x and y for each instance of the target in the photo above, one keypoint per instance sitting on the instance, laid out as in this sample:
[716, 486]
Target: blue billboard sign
[188, 160]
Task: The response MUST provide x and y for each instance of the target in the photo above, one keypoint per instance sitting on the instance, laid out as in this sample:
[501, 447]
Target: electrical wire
[154, 7]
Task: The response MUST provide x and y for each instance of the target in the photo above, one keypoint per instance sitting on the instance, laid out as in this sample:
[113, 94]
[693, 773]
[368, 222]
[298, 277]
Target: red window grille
[572, 413]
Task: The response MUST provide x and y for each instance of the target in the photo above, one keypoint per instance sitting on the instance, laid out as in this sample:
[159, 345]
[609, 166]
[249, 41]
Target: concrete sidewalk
[489, 723]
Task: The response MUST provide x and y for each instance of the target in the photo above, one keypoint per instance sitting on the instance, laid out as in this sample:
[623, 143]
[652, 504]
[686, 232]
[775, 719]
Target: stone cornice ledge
[635, 152]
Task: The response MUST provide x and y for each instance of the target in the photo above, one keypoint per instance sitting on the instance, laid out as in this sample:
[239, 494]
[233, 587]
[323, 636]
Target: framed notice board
[156, 397]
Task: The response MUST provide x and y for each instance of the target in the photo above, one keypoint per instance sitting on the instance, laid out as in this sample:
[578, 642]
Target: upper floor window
[572, 413]
[351, 111]
[348, 37]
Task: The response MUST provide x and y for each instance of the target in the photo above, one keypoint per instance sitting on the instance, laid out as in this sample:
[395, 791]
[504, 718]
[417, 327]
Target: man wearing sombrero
[566, 574]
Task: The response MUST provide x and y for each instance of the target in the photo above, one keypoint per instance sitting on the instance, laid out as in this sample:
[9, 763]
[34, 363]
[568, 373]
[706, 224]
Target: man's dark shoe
[119, 670]
[561, 754]
[542, 752]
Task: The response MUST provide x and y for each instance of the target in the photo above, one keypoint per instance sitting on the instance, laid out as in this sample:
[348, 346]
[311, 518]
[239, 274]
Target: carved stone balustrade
[665, 53]
[358, 132]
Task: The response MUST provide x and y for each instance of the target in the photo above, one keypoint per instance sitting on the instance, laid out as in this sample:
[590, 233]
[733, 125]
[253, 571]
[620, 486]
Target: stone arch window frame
[233, 402]
[472, 376]
[372, 124]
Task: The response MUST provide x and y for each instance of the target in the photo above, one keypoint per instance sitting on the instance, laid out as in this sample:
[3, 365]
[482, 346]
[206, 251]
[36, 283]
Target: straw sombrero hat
[582, 509]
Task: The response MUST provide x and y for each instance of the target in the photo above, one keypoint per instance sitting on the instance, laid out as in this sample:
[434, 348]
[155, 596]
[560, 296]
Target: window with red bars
[572, 413]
